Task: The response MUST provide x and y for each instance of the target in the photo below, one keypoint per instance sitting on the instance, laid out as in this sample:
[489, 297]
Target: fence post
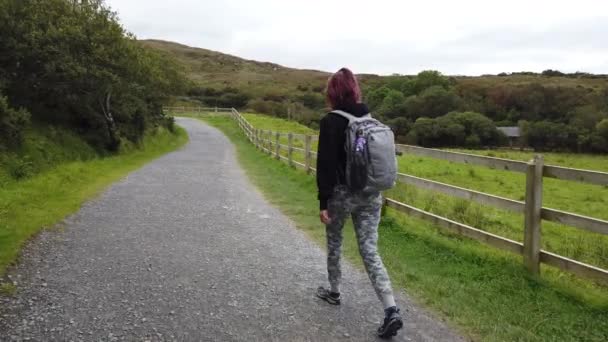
[269, 142]
[532, 214]
[258, 133]
[307, 153]
[290, 148]
[256, 138]
[216, 109]
[278, 147]
[261, 139]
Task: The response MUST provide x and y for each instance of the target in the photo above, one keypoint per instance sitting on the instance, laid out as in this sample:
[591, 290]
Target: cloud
[386, 36]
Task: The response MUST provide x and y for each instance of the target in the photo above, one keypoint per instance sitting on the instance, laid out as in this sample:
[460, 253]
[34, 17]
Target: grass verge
[482, 291]
[42, 200]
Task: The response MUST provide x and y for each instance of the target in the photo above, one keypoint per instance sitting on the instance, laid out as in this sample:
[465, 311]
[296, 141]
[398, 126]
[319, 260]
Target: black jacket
[331, 158]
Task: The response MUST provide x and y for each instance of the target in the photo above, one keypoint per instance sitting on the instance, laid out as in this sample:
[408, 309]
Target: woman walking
[337, 201]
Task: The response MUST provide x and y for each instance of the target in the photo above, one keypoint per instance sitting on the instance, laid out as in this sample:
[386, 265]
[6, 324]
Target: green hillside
[215, 69]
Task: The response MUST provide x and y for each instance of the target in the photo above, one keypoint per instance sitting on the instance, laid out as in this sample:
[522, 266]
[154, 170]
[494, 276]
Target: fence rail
[184, 109]
[532, 209]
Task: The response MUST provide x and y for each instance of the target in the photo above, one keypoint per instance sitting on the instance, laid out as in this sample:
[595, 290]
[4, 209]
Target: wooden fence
[532, 209]
[184, 109]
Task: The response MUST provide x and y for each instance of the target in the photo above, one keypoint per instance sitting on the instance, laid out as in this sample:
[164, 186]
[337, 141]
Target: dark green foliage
[455, 129]
[268, 107]
[432, 102]
[400, 126]
[548, 136]
[392, 104]
[427, 79]
[598, 141]
[224, 98]
[602, 129]
[311, 100]
[550, 72]
[12, 123]
[556, 117]
[19, 168]
[375, 96]
[71, 63]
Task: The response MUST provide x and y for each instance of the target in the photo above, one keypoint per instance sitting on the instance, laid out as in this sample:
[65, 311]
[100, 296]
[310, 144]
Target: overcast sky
[469, 37]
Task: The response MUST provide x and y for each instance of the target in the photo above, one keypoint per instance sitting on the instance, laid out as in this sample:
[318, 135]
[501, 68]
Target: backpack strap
[349, 116]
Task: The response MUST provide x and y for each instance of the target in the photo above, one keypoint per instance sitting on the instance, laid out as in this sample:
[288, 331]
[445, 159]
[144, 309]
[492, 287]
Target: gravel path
[186, 249]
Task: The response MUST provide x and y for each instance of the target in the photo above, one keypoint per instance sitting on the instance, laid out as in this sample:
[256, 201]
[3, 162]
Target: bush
[392, 104]
[598, 144]
[268, 107]
[233, 100]
[12, 123]
[550, 72]
[473, 141]
[400, 126]
[20, 168]
[602, 128]
[312, 100]
[455, 129]
[549, 136]
[169, 123]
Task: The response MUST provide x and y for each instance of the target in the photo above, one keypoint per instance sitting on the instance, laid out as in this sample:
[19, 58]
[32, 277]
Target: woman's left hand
[324, 216]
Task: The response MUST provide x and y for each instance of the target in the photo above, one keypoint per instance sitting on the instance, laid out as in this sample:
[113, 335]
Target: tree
[602, 129]
[455, 129]
[375, 97]
[71, 63]
[550, 72]
[427, 79]
[586, 117]
[392, 105]
[425, 132]
[433, 102]
[401, 127]
[312, 100]
[546, 135]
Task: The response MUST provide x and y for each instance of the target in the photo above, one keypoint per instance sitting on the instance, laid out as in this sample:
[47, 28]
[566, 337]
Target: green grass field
[595, 162]
[53, 176]
[482, 291]
[580, 198]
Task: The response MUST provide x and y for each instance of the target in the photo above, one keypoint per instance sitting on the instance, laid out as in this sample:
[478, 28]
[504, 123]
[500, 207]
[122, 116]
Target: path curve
[186, 249]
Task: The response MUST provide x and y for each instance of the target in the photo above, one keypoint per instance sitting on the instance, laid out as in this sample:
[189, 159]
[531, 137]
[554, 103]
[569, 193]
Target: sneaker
[392, 323]
[328, 296]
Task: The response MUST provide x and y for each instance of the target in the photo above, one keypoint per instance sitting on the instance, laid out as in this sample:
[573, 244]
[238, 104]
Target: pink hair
[343, 89]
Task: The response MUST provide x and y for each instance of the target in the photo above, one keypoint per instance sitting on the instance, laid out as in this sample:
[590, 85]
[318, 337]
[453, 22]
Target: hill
[215, 69]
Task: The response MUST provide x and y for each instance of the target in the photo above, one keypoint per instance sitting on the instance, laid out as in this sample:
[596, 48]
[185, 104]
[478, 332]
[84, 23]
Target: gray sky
[470, 37]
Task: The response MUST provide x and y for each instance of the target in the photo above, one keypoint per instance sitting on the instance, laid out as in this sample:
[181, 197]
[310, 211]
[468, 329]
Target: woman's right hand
[324, 216]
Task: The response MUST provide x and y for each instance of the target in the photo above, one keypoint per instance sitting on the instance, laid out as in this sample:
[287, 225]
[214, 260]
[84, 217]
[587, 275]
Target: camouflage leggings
[365, 212]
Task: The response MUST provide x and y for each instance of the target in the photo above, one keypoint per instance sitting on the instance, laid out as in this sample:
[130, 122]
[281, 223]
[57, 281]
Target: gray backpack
[371, 164]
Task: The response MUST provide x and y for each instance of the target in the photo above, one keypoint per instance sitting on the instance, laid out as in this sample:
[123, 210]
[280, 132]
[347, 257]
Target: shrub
[473, 141]
[12, 123]
[455, 129]
[19, 168]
